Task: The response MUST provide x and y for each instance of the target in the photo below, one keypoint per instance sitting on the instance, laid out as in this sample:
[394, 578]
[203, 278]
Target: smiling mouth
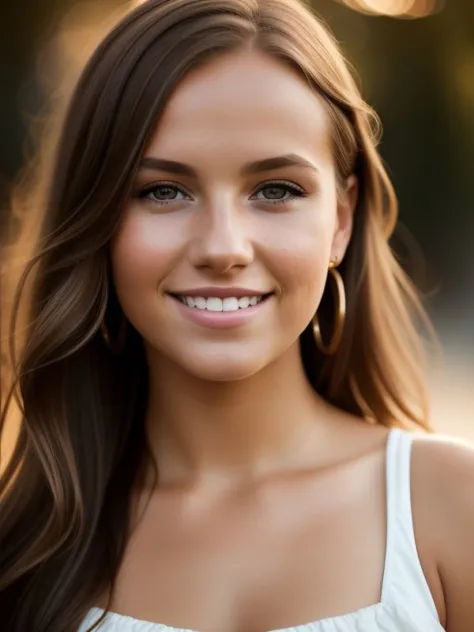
[216, 304]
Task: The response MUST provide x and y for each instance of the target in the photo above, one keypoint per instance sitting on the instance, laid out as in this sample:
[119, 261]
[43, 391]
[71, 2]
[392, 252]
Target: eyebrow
[251, 168]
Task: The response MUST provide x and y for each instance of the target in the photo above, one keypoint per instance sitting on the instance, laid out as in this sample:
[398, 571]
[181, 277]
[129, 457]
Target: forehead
[243, 101]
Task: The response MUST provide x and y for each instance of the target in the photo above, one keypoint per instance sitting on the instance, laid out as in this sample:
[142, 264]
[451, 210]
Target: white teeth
[230, 304]
[214, 304]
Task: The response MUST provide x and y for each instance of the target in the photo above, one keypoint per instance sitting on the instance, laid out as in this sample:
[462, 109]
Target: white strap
[404, 580]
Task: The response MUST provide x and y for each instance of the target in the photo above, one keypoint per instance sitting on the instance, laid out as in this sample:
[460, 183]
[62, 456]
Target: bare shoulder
[448, 460]
[443, 470]
[443, 514]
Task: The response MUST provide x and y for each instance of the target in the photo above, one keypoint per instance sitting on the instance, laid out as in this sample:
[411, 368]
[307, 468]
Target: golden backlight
[396, 8]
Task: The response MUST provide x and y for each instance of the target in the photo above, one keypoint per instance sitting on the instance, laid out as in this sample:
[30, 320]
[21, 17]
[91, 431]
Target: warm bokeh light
[396, 8]
[60, 59]
[388, 7]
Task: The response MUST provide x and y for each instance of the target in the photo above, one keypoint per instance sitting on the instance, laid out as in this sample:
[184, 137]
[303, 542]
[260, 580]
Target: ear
[346, 205]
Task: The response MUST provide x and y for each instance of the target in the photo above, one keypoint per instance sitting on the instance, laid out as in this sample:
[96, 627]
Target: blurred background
[415, 63]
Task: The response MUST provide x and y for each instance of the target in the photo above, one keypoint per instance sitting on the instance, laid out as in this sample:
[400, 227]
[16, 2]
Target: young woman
[220, 372]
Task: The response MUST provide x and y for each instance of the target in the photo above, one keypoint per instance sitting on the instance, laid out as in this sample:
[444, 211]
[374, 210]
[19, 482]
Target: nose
[222, 240]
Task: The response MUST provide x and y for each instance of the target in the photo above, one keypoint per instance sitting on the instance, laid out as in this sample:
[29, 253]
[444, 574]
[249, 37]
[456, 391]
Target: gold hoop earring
[340, 309]
[115, 346]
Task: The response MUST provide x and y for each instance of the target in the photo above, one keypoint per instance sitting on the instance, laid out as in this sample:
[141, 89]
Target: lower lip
[221, 320]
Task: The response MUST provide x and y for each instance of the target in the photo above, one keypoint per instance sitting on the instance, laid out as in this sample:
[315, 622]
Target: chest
[291, 554]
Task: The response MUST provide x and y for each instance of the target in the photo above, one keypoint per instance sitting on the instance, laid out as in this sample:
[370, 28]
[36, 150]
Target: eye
[163, 193]
[279, 192]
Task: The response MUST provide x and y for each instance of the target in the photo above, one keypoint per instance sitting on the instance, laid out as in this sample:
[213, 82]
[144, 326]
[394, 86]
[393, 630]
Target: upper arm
[443, 508]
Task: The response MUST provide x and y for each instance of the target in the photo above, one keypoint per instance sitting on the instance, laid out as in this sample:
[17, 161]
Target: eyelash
[294, 190]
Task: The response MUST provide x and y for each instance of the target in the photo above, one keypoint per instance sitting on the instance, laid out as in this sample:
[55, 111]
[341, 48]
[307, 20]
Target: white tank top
[406, 603]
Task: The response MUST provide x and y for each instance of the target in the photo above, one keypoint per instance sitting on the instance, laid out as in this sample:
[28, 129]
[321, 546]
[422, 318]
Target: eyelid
[288, 183]
[142, 191]
[295, 189]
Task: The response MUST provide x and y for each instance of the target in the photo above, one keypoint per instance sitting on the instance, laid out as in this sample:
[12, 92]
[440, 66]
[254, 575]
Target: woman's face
[234, 204]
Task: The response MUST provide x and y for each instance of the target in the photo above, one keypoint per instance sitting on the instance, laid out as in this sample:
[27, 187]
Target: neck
[233, 430]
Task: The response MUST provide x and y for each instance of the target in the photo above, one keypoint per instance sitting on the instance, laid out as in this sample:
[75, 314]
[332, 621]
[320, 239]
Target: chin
[223, 369]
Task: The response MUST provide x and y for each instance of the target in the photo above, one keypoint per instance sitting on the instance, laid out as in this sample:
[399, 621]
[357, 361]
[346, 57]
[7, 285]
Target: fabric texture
[406, 603]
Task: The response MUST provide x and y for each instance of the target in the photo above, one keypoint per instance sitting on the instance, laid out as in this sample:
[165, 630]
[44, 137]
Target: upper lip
[220, 292]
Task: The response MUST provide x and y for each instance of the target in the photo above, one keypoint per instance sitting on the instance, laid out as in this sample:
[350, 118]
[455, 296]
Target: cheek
[303, 278]
[301, 255]
[141, 257]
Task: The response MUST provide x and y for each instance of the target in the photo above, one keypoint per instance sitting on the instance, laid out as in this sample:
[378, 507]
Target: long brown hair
[65, 492]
